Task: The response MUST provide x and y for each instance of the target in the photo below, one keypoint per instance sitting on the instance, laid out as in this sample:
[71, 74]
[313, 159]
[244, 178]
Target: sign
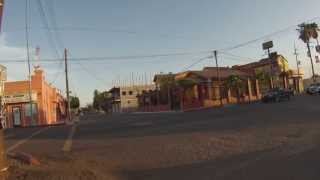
[267, 45]
[19, 98]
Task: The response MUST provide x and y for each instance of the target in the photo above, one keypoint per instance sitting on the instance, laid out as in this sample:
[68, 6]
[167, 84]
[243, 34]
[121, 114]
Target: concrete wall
[47, 101]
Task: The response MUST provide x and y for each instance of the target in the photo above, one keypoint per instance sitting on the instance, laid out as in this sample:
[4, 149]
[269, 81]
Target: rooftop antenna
[37, 64]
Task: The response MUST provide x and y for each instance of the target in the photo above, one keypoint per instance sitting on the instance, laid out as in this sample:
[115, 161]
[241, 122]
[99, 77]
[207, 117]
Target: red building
[48, 105]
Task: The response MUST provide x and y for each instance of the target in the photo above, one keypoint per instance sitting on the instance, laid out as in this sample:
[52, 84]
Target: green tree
[102, 101]
[235, 82]
[308, 31]
[74, 102]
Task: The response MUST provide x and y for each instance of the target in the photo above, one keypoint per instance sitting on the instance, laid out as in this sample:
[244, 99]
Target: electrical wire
[265, 36]
[111, 58]
[196, 62]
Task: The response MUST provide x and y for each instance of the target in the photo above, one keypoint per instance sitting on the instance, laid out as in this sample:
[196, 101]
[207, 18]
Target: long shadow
[242, 167]
[100, 127]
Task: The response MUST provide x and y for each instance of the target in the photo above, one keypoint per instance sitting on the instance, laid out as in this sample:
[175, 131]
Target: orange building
[48, 105]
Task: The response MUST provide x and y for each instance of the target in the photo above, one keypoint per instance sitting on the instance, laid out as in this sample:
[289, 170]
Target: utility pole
[28, 59]
[3, 161]
[218, 75]
[298, 69]
[67, 84]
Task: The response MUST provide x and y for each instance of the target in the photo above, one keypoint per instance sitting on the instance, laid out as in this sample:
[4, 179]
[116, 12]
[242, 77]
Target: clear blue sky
[142, 27]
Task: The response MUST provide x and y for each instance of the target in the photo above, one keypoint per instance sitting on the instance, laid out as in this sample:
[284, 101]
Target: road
[255, 141]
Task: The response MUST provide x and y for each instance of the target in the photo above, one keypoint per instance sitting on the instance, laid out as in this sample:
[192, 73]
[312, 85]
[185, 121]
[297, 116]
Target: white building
[128, 96]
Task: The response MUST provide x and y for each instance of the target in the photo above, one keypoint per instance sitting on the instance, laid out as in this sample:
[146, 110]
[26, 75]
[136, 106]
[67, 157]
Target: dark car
[277, 95]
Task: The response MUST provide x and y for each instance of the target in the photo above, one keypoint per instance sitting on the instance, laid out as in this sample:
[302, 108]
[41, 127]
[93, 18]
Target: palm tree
[306, 33]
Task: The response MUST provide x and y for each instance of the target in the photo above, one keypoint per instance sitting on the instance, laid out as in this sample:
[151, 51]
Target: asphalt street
[252, 141]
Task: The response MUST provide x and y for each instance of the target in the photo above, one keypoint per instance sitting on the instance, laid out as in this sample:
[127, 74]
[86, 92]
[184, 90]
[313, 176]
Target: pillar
[249, 89]
[258, 89]
[210, 89]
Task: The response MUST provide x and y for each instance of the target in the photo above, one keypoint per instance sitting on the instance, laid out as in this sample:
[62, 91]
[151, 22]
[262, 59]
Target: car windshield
[159, 90]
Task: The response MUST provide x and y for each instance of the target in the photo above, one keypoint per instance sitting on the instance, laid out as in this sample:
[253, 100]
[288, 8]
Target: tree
[102, 101]
[235, 82]
[96, 100]
[74, 102]
[308, 31]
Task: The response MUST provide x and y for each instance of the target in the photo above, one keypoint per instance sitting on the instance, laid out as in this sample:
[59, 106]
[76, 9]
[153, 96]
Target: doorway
[16, 112]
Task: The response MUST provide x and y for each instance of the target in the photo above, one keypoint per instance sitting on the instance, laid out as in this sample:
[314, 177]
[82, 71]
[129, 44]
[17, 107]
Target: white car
[313, 89]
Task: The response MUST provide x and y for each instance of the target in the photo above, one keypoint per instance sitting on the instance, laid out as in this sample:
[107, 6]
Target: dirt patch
[62, 168]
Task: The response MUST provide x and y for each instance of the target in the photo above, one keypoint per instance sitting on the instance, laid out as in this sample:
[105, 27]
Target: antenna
[37, 64]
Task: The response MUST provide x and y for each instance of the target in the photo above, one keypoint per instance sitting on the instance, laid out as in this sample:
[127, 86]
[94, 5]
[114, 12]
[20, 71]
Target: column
[249, 89]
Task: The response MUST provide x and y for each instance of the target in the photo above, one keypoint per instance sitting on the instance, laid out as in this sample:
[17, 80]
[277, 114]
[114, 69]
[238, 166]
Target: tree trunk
[309, 50]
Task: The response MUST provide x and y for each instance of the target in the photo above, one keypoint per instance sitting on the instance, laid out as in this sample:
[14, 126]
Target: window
[34, 109]
[130, 92]
[124, 93]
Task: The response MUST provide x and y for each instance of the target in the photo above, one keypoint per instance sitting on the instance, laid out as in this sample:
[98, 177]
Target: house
[129, 96]
[209, 87]
[47, 106]
[277, 69]
[115, 99]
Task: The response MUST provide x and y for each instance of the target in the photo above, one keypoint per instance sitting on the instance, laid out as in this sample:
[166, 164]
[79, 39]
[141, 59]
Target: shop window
[28, 110]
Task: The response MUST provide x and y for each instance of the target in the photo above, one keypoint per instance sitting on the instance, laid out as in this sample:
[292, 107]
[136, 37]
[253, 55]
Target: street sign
[267, 45]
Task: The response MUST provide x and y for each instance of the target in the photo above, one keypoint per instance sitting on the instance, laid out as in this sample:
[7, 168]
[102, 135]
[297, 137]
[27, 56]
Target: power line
[195, 63]
[43, 17]
[265, 36]
[111, 58]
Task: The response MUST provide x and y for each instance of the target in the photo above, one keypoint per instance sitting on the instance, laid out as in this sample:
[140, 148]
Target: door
[16, 116]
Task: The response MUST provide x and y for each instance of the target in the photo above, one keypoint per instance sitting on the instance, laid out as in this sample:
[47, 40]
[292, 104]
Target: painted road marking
[68, 143]
[23, 141]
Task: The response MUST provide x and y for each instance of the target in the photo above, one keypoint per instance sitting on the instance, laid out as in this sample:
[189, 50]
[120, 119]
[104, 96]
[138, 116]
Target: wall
[128, 95]
[47, 101]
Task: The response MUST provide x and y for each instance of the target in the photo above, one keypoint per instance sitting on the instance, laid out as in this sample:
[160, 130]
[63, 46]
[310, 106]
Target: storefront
[47, 105]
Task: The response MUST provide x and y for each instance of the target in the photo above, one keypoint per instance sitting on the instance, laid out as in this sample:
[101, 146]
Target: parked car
[277, 95]
[313, 89]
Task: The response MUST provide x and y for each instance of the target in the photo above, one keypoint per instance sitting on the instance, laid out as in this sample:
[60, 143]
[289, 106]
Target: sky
[110, 28]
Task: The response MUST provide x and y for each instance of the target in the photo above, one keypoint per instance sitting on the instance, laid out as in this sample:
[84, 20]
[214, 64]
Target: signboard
[267, 45]
[19, 98]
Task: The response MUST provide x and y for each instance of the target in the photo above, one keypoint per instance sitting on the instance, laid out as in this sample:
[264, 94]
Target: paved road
[256, 141]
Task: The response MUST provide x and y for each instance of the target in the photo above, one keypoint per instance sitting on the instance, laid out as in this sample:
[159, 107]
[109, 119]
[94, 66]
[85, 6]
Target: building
[48, 105]
[277, 69]
[206, 89]
[129, 96]
[115, 99]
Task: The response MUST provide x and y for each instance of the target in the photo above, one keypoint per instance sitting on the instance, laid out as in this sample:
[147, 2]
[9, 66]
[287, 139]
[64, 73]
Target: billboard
[267, 45]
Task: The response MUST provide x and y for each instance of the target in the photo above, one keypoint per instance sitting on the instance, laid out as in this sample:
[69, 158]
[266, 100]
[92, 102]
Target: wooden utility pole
[298, 69]
[3, 161]
[218, 75]
[67, 84]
